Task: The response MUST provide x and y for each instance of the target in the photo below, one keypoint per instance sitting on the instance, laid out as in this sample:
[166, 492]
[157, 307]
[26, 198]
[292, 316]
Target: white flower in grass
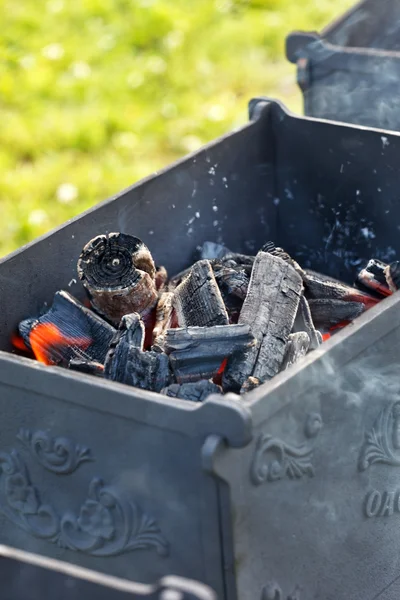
[66, 193]
[53, 51]
[37, 217]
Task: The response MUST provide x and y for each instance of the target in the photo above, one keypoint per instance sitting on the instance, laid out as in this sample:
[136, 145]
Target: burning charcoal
[250, 384]
[161, 278]
[320, 287]
[118, 272]
[198, 301]
[373, 278]
[127, 363]
[211, 251]
[145, 370]
[197, 352]
[67, 330]
[304, 322]
[392, 273]
[244, 260]
[164, 316]
[232, 280]
[270, 248]
[327, 313]
[177, 279]
[269, 309]
[233, 283]
[86, 366]
[196, 392]
[131, 329]
[296, 348]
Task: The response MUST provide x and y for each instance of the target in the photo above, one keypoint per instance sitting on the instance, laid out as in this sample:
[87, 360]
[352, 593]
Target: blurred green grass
[95, 94]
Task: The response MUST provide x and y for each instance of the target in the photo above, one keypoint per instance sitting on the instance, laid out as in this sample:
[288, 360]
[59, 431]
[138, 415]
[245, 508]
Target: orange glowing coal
[47, 340]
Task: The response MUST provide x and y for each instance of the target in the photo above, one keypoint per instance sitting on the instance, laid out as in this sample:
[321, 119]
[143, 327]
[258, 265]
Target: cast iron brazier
[290, 491]
[350, 71]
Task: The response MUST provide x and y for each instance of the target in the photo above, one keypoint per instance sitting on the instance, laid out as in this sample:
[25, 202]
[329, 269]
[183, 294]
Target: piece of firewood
[67, 330]
[197, 300]
[392, 274]
[320, 287]
[297, 347]
[197, 352]
[86, 366]
[196, 392]
[118, 273]
[330, 312]
[269, 309]
[372, 278]
[164, 315]
[127, 363]
[304, 322]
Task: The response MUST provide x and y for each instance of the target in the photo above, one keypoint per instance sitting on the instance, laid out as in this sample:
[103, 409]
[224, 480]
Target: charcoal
[196, 392]
[66, 331]
[131, 329]
[197, 352]
[250, 384]
[198, 301]
[392, 274]
[118, 273]
[231, 280]
[328, 313]
[296, 348]
[177, 279]
[164, 315]
[321, 287]
[269, 309]
[270, 248]
[130, 365]
[304, 322]
[244, 260]
[211, 251]
[372, 278]
[161, 278]
[86, 366]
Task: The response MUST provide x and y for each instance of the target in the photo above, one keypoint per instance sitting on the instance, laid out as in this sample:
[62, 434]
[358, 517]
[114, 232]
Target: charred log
[392, 273]
[128, 364]
[197, 352]
[373, 279]
[304, 322]
[118, 273]
[269, 310]
[161, 278]
[67, 330]
[198, 301]
[297, 347]
[321, 287]
[328, 313]
[196, 392]
[86, 366]
[250, 384]
[164, 317]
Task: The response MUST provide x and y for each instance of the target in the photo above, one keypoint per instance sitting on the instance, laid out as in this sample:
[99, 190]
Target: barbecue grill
[350, 71]
[289, 491]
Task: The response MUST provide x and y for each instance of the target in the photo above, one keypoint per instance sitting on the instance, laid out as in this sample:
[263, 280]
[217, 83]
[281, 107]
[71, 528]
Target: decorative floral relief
[59, 455]
[286, 460]
[382, 442]
[106, 525]
[272, 591]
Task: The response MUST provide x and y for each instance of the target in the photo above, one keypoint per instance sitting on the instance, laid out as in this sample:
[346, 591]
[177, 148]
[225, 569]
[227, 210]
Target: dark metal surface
[351, 70]
[25, 576]
[261, 496]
